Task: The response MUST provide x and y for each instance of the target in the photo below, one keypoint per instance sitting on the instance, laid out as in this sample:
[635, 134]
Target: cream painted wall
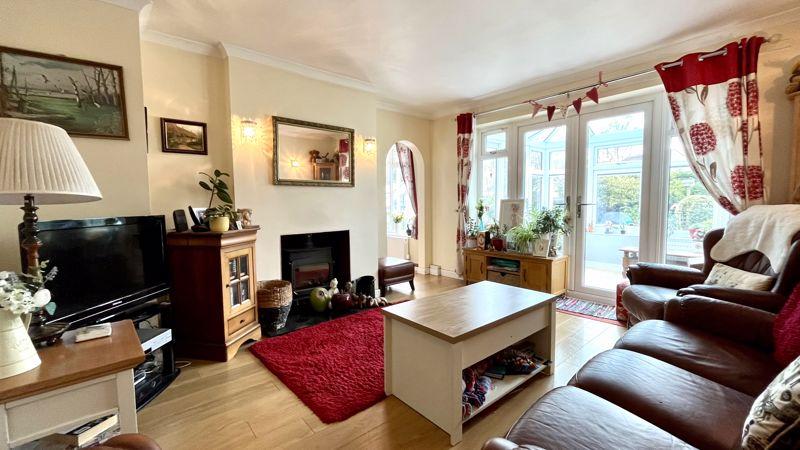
[100, 32]
[393, 127]
[258, 92]
[187, 86]
[774, 68]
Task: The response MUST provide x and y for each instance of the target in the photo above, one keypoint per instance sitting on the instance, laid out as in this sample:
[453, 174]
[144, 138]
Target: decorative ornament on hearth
[333, 287]
[794, 80]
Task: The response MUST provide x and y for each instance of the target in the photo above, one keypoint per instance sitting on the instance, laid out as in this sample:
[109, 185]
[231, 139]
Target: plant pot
[219, 224]
[17, 353]
[541, 246]
[471, 243]
[498, 243]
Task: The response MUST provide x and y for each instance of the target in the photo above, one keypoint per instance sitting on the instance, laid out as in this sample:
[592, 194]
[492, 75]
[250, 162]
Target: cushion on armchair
[727, 276]
[774, 419]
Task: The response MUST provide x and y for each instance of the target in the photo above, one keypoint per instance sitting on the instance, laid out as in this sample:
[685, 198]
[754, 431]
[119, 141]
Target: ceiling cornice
[180, 43]
[133, 5]
[300, 69]
[401, 108]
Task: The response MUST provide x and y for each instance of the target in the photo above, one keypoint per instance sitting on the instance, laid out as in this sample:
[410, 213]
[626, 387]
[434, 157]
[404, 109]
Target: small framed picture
[484, 240]
[512, 213]
[198, 215]
[183, 136]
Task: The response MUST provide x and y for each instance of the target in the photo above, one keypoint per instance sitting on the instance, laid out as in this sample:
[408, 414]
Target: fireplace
[313, 260]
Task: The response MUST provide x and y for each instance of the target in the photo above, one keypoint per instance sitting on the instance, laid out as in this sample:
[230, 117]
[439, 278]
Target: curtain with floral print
[406, 158]
[465, 143]
[714, 101]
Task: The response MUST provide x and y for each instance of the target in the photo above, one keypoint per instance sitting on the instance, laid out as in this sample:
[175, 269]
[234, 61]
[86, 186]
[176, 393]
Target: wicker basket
[274, 302]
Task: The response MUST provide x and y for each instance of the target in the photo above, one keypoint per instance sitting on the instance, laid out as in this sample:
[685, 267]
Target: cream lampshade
[38, 162]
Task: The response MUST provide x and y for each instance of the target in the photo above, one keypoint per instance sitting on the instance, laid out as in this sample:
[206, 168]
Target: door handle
[580, 205]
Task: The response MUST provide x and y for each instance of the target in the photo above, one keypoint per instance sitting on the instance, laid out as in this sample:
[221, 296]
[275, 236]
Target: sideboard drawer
[240, 321]
[503, 278]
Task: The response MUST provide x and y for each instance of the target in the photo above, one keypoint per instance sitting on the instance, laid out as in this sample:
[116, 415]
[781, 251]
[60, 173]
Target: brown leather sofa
[682, 382]
[653, 284]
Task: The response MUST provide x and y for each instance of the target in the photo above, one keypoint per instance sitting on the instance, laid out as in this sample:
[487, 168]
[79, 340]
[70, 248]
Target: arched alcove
[397, 244]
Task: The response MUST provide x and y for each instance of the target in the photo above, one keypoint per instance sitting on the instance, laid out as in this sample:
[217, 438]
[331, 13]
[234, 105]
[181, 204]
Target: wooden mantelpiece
[213, 292]
[536, 273]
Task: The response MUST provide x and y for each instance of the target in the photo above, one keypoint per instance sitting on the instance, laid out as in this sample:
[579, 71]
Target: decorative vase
[498, 243]
[17, 353]
[541, 246]
[219, 224]
[471, 243]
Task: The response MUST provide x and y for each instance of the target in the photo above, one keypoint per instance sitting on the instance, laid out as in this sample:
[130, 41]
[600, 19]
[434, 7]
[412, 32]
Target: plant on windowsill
[550, 223]
[480, 209]
[497, 236]
[523, 237]
[471, 231]
[219, 217]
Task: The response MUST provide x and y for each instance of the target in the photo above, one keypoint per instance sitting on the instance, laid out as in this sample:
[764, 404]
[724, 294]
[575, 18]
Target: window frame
[392, 229]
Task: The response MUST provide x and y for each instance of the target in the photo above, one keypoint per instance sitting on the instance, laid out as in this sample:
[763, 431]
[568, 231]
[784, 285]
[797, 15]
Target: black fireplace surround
[314, 259]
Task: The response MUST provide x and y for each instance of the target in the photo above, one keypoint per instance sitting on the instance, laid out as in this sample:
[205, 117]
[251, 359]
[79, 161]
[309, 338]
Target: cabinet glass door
[238, 278]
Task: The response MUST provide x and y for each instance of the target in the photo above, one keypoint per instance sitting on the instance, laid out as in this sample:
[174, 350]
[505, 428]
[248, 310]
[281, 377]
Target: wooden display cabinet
[213, 292]
[534, 272]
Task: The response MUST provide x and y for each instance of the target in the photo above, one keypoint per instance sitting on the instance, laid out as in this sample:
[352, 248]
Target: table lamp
[39, 164]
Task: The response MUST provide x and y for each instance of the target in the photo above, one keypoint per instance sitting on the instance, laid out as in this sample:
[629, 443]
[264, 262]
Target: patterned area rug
[588, 309]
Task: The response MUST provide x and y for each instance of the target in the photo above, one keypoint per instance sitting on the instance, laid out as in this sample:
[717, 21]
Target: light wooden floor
[241, 405]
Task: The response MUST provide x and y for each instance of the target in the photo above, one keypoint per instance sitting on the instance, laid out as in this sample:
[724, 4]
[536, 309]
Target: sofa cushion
[738, 366]
[727, 276]
[645, 302]
[568, 417]
[774, 420]
[699, 411]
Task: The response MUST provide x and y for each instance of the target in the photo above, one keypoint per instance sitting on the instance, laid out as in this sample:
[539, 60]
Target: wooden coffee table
[428, 342]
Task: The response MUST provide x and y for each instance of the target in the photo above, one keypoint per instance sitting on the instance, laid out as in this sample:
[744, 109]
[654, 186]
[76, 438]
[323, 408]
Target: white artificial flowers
[23, 293]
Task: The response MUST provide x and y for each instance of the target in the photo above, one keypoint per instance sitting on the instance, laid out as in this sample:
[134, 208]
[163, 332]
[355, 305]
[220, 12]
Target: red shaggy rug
[335, 368]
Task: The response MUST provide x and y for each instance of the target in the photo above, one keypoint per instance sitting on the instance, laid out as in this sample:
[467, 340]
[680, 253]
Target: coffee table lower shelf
[422, 367]
[503, 387]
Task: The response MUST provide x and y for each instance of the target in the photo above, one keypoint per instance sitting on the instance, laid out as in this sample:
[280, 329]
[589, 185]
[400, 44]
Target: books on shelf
[86, 434]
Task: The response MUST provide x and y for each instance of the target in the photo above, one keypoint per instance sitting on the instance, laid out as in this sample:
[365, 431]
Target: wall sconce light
[370, 145]
[295, 163]
[249, 130]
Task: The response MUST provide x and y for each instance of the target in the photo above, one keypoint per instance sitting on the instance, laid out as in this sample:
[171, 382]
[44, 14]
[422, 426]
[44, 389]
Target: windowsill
[397, 236]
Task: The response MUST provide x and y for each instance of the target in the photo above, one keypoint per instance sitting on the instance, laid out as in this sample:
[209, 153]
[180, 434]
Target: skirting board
[451, 274]
[422, 270]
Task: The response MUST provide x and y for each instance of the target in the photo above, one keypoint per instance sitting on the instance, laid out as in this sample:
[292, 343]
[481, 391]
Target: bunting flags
[592, 94]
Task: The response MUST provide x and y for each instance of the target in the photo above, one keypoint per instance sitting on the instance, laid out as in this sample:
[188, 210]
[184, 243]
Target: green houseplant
[219, 217]
[550, 224]
[471, 231]
[523, 236]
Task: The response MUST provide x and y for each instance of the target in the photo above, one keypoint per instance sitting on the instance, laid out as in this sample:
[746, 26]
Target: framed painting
[512, 212]
[85, 98]
[183, 136]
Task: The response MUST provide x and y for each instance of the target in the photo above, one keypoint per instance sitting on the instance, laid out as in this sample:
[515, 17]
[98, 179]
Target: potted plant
[523, 237]
[471, 231]
[550, 224]
[219, 217]
[480, 209]
[20, 296]
[497, 234]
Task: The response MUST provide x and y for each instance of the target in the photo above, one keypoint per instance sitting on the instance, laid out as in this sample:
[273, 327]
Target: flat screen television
[105, 266]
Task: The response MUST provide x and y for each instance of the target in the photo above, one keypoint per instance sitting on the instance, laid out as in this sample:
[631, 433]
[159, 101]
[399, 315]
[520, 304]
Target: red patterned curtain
[464, 145]
[714, 101]
[410, 179]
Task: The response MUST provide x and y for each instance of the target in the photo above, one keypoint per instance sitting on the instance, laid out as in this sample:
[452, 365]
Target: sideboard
[517, 269]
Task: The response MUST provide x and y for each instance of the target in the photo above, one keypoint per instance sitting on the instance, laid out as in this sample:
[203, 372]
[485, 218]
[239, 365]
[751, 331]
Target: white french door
[613, 184]
[610, 168]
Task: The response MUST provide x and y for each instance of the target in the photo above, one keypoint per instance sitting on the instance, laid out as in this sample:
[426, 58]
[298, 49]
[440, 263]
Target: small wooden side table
[75, 384]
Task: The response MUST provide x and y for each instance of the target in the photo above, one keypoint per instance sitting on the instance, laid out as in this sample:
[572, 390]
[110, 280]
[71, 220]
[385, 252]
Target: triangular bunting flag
[536, 108]
[550, 111]
[577, 105]
[592, 94]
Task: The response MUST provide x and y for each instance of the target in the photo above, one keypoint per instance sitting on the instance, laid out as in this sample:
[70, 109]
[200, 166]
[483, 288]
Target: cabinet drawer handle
[524, 275]
[241, 321]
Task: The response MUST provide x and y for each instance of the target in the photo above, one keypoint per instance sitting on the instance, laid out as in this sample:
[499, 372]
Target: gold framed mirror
[312, 154]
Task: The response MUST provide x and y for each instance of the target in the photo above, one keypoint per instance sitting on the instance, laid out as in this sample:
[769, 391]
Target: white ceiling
[432, 54]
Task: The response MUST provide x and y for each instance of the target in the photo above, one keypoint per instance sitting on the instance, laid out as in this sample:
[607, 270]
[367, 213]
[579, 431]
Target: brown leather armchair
[653, 284]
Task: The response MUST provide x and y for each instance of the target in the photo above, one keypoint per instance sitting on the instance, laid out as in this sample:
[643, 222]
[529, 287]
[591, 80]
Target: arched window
[399, 212]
